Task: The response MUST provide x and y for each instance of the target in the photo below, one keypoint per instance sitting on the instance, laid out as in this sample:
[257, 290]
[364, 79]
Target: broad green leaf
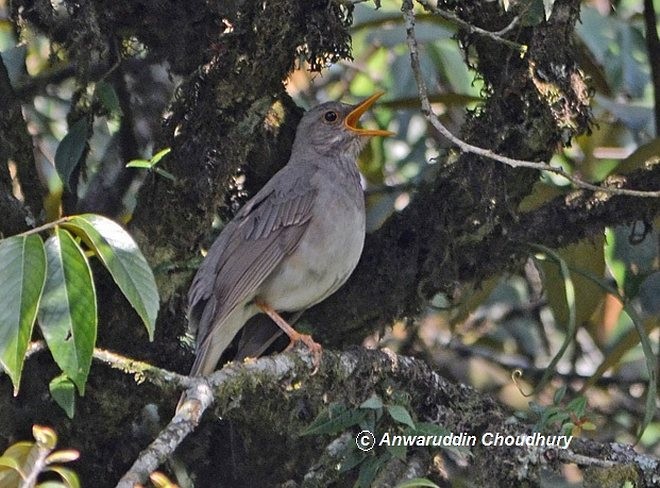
[373, 402]
[62, 390]
[649, 355]
[70, 150]
[67, 314]
[417, 483]
[69, 477]
[8, 463]
[10, 477]
[123, 259]
[19, 451]
[22, 276]
[588, 255]
[401, 415]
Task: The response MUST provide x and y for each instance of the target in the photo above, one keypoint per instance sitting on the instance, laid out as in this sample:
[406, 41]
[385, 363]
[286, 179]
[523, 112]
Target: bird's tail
[211, 348]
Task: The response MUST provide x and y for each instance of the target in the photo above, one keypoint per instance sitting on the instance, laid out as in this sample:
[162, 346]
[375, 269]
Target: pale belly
[326, 256]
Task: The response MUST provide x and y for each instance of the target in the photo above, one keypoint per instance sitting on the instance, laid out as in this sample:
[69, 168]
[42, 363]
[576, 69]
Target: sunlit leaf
[589, 255]
[67, 314]
[123, 259]
[139, 163]
[22, 277]
[69, 477]
[63, 456]
[45, 436]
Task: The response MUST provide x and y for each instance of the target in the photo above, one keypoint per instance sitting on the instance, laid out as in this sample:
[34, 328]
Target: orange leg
[296, 337]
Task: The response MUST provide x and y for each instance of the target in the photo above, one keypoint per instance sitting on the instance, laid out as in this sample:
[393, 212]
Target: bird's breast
[326, 255]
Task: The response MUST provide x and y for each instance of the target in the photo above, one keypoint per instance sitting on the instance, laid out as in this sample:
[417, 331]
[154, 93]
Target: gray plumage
[293, 244]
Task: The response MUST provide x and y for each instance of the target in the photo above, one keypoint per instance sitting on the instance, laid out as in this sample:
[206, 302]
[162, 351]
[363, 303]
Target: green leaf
[368, 470]
[22, 277]
[106, 93]
[45, 436]
[123, 259]
[155, 159]
[427, 428]
[336, 418]
[399, 452]
[559, 394]
[67, 313]
[417, 483]
[401, 415]
[165, 174]
[70, 150]
[63, 456]
[62, 390]
[351, 459]
[69, 477]
[373, 402]
[571, 326]
[9, 463]
[139, 163]
[647, 348]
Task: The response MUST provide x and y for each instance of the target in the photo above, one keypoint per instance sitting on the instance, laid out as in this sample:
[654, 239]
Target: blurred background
[481, 335]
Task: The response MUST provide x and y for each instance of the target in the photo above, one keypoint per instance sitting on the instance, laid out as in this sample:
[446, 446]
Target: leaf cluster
[22, 463]
[376, 417]
[52, 283]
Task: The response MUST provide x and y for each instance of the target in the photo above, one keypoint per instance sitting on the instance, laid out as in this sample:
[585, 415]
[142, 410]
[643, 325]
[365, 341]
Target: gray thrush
[291, 245]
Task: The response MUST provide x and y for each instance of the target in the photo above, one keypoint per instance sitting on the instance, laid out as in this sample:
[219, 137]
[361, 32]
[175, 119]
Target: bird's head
[332, 127]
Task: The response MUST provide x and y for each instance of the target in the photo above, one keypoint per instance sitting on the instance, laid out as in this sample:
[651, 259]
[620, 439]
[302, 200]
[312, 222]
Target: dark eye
[330, 116]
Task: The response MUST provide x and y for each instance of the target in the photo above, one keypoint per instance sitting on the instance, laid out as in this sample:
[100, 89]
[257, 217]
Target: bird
[294, 243]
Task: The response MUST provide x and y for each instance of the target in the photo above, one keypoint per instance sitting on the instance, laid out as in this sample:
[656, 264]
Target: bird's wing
[265, 230]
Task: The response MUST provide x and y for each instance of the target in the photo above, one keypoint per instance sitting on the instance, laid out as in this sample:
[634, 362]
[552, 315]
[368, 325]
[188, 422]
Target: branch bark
[353, 376]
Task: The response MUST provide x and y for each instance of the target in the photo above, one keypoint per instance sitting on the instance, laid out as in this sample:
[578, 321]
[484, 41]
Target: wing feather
[249, 248]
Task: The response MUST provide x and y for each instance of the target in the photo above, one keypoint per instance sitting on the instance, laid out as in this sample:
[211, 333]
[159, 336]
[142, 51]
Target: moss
[614, 477]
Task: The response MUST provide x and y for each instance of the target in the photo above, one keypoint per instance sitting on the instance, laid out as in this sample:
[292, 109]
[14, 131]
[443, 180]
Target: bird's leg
[294, 336]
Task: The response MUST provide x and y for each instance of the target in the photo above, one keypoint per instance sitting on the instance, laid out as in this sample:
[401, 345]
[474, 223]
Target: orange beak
[352, 119]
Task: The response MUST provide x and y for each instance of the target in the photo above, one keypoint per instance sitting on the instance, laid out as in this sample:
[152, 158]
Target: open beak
[352, 119]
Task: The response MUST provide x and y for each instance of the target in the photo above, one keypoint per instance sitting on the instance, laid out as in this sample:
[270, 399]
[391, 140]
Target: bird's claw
[314, 348]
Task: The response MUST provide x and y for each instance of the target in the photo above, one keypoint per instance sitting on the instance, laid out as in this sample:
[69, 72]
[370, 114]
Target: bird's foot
[295, 336]
[314, 348]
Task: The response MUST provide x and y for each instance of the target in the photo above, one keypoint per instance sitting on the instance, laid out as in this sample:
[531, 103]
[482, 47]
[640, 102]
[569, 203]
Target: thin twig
[427, 110]
[473, 29]
[143, 370]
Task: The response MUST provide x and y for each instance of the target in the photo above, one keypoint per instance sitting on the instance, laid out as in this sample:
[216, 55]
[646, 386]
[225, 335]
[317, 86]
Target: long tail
[211, 348]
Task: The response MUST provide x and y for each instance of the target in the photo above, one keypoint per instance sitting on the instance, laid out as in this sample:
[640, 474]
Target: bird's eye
[330, 116]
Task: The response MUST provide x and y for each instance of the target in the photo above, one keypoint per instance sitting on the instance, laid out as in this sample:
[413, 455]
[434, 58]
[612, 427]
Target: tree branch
[427, 110]
[454, 407]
